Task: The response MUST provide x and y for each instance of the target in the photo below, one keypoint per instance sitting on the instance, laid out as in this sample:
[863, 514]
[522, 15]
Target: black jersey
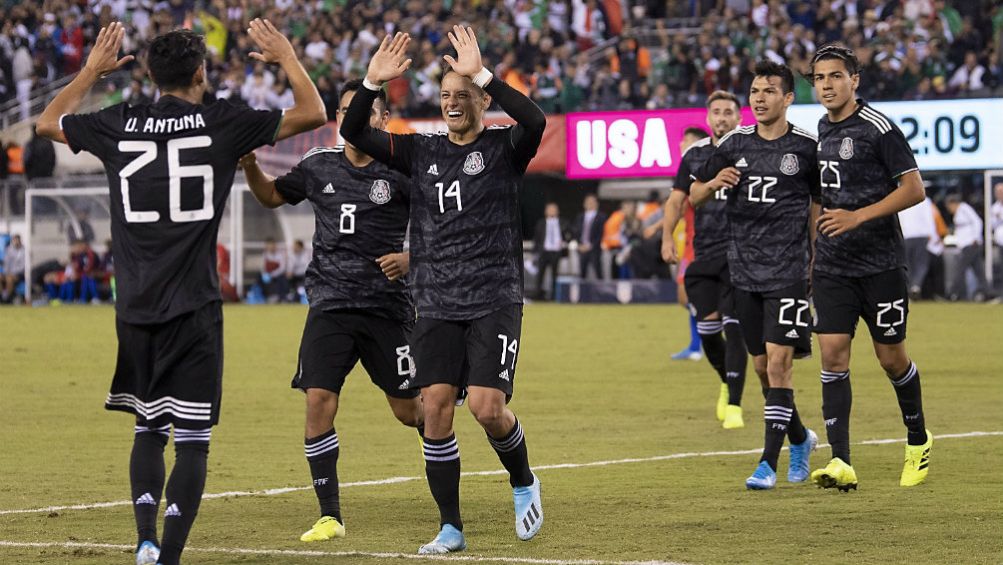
[768, 213]
[361, 214]
[710, 222]
[466, 230]
[860, 160]
[170, 167]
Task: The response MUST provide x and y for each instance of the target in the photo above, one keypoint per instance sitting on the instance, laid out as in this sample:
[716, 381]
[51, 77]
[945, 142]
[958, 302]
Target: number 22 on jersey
[175, 171]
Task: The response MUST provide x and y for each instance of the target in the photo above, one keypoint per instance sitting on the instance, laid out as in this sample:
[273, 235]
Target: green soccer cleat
[917, 462]
[733, 417]
[722, 403]
[837, 474]
[323, 530]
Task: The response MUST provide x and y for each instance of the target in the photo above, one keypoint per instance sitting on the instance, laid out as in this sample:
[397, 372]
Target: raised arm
[102, 60]
[262, 184]
[388, 63]
[530, 119]
[308, 110]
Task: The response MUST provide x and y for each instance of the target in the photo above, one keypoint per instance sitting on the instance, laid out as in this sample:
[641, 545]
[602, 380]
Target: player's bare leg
[488, 405]
[442, 466]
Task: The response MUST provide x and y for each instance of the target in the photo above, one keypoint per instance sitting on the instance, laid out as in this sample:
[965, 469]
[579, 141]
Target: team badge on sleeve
[380, 192]
[789, 164]
[474, 163]
[846, 148]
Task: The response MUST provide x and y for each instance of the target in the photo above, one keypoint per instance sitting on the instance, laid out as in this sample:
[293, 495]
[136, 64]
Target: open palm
[390, 60]
[104, 55]
[468, 53]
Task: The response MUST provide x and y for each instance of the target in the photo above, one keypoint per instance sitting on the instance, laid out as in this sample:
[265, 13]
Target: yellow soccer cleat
[836, 474]
[325, 529]
[722, 402]
[917, 462]
[733, 417]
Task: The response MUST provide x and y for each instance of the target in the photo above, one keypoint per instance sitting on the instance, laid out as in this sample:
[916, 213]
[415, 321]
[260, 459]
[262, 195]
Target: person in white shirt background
[968, 228]
[922, 243]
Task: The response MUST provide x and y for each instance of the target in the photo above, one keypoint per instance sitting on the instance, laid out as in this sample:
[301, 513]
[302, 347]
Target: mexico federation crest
[380, 192]
[789, 164]
[846, 148]
[474, 163]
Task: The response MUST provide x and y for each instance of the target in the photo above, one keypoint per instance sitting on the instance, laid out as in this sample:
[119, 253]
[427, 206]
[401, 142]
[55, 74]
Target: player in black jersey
[358, 312]
[170, 166]
[868, 174]
[770, 173]
[466, 259]
[708, 283]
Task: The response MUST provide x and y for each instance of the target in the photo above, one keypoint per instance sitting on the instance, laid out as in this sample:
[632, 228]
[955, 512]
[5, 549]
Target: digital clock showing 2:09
[944, 134]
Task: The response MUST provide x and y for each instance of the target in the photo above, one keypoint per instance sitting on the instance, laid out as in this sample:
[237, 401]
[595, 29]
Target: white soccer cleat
[528, 510]
[449, 540]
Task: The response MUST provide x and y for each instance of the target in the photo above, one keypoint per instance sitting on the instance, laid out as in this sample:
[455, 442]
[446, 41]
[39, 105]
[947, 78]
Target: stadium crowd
[568, 54]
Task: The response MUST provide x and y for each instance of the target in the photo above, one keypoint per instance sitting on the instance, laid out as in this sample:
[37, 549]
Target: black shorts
[882, 300]
[781, 317]
[335, 340]
[481, 352]
[708, 288]
[171, 372]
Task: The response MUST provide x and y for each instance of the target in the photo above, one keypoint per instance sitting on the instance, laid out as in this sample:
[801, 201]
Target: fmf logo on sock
[320, 482]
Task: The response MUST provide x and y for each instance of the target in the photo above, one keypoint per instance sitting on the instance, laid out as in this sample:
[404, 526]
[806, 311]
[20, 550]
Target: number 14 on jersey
[453, 191]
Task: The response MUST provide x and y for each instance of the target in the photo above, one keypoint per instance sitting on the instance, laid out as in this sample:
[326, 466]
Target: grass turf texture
[594, 383]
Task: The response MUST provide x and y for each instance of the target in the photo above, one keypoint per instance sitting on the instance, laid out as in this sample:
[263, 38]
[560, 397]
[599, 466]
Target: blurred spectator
[15, 158]
[588, 233]
[968, 237]
[549, 239]
[39, 157]
[82, 229]
[997, 215]
[299, 261]
[105, 274]
[597, 54]
[273, 273]
[922, 243]
[226, 289]
[13, 269]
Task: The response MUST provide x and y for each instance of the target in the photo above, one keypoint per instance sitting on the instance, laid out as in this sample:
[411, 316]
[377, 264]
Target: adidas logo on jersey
[328, 189]
[504, 375]
[433, 170]
[147, 498]
[891, 332]
[793, 334]
[172, 510]
[741, 163]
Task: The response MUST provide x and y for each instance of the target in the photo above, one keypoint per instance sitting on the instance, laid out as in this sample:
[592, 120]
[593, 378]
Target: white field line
[329, 554]
[395, 480]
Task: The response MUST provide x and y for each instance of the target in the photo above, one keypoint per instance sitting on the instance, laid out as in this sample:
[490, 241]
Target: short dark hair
[698, 132]
[354, 85]
[723, 95]
[837, 51]
[174, 57]
[767, 68]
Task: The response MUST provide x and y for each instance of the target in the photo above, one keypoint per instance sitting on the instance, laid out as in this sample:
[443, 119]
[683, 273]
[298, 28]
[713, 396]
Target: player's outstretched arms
[102, 60]
[701, 192]
[910, 192]
[389, 62]
[673, 210]
[530, 118]
[308, 110]
[262, 184]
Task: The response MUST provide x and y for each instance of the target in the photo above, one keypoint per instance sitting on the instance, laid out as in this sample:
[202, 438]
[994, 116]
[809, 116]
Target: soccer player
[357, 312]
[708, 283]
[770, 173]
[868, 174]
[170, 166]
[466, 256]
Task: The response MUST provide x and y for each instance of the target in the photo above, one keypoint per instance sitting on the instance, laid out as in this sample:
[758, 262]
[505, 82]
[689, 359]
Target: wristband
[371, 86]
[483, 77]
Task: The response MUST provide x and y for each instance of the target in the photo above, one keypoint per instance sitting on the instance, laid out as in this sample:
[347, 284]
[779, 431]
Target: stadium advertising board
[944, 135]
[643, 143]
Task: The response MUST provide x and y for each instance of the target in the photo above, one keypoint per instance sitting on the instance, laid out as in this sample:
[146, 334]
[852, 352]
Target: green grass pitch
[594, 384]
